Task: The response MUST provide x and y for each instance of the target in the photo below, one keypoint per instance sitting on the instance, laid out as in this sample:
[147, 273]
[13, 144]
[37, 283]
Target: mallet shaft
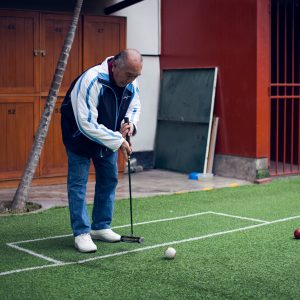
[130, 197]
[124, 238]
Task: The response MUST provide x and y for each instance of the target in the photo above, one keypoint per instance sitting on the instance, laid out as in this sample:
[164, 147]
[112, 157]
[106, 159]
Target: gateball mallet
[131, 238]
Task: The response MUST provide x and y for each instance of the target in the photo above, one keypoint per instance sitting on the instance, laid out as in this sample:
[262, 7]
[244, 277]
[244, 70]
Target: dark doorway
[285, 87]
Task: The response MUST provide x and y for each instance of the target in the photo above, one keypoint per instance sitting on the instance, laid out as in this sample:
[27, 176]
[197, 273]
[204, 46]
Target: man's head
[127, 66]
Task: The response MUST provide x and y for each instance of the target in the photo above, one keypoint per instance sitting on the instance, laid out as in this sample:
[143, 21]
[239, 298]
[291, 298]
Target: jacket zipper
[117, 110]
[116, 101]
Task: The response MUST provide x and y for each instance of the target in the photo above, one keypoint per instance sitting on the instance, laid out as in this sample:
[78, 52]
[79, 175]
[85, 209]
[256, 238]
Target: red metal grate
[285, 87]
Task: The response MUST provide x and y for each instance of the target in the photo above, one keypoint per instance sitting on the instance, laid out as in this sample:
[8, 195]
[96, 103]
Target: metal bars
[285, 87]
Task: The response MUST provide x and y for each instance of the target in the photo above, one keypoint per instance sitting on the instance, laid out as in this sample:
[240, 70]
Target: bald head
[128, 56]
[127, 66]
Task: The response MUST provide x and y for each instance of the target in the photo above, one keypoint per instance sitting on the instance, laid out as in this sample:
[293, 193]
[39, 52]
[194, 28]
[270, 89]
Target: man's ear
[114, 65]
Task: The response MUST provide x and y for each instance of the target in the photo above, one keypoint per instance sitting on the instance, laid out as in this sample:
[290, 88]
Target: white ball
[170, 253]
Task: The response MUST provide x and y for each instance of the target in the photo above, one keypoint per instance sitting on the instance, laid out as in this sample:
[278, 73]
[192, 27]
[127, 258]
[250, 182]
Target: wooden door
[54, 28]
[53, 158]
[30, 46]
[19, 36]
[18, 119]
[102, 37]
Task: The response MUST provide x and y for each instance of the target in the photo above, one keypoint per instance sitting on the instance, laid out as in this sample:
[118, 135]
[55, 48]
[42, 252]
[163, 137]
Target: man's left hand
[127, 129]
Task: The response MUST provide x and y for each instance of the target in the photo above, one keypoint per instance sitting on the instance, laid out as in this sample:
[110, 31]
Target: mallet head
[132, 239]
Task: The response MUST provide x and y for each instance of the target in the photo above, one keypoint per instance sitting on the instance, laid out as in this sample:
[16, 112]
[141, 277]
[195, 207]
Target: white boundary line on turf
[145, 223]
[239, 217]
[40, 239]
[116, 227]
[166, 220]
[35, 268]
[187, 240]
[152, 247]
[35, 254]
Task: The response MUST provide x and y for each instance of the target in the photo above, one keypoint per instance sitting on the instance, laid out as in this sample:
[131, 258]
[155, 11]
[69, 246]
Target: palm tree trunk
[21, 195]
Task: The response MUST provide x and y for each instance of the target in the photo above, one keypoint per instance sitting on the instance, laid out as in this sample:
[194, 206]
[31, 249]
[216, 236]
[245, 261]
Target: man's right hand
[126, 149]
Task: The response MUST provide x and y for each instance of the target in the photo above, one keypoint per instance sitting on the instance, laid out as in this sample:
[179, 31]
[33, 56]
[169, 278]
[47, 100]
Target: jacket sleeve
[134, 109]
[84, 97]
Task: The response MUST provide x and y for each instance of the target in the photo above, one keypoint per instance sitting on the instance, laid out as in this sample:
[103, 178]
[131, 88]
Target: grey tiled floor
[147, 183]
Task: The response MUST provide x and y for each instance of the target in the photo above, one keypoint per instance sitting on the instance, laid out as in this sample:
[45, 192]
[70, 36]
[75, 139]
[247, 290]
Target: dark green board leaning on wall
[185, 119]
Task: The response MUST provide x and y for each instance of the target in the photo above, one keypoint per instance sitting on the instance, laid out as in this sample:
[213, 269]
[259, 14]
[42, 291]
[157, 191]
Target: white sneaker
[105, 235]
[84, 243]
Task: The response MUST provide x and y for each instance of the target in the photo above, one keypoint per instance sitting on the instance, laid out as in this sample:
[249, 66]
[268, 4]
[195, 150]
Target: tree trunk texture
[21, 195]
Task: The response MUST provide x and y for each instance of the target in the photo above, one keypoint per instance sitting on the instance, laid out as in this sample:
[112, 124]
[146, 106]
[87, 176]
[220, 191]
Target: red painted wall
[224, 33]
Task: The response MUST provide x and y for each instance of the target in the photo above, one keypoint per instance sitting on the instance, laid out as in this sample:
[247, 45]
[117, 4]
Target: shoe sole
[88, 251]
[104, 240]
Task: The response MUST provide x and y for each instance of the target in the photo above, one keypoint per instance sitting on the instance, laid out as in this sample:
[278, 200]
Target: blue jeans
[106, 182]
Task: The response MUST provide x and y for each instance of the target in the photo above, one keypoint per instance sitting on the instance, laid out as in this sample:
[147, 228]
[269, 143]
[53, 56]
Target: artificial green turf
[258, 263]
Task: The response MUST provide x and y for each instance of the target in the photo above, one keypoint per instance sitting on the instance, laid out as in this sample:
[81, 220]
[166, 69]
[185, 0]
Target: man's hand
[127, 129]
[126, 149]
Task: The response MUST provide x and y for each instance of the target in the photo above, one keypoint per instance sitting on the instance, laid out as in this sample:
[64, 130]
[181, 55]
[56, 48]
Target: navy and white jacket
[91, 117]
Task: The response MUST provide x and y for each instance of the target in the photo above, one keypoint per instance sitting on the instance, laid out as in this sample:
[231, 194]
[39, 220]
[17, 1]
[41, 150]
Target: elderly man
[93, 128]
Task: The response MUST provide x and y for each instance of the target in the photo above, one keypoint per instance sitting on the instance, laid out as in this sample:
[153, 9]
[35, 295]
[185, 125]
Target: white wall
[143, 34]
[143, 26]
[149, 86]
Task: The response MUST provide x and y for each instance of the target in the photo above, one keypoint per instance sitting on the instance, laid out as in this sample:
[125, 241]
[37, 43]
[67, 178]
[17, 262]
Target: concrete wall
[239, 167]
[143, 33]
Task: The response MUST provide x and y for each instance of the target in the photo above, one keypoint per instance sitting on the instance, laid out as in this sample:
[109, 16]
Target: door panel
[19, 38]
[53, 157]
[102, 37]
[17, 127]
[54, 29]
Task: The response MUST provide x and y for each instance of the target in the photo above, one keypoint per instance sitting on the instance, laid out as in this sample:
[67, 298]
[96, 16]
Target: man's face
[126, 73]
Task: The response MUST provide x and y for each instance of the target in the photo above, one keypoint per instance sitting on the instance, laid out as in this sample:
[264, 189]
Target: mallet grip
[126, 120]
